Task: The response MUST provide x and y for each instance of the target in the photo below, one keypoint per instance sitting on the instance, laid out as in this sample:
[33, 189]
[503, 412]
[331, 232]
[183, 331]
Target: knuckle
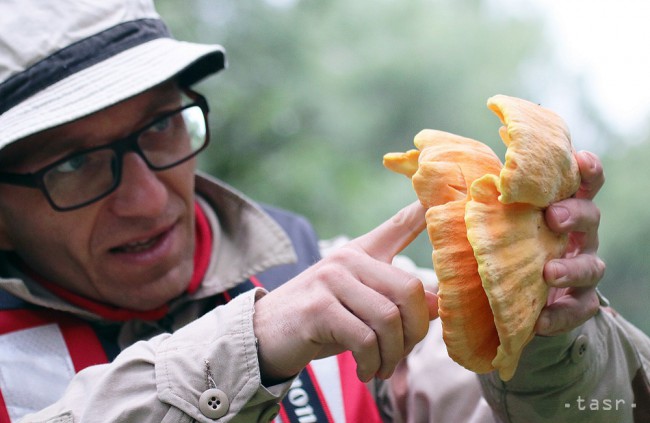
[341, 255]
[368, 340]
[594, 304]
[390, 314]
[596, 271]
[596, 217]
[330, 272]
[346, 256]
[601, 268]
[413, 287]
[418, 334]
[322, 307]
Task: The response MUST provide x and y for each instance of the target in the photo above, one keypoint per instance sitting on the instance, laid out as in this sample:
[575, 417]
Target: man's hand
[355, 300]
[573, 278]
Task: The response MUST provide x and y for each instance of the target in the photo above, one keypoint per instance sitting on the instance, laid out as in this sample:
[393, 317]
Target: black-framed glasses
[89, 175]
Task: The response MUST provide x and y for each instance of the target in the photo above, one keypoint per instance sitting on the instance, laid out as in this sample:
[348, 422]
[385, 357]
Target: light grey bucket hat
[63, 60]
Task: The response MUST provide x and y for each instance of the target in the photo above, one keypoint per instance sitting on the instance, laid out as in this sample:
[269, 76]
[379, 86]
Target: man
[135, 290]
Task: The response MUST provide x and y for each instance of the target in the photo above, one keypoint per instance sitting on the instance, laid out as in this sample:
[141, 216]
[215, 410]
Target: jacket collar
[247, 240]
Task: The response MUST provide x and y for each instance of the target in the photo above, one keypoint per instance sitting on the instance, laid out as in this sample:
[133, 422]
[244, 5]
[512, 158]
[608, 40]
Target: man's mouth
[140, 246]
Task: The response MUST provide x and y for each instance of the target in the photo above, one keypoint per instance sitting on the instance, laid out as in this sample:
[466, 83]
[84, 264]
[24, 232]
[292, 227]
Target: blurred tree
[625, 231]
[317, 91]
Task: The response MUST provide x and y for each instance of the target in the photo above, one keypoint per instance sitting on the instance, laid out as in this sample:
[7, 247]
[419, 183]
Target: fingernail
[561, 213]
[364, 378]
[591, 160]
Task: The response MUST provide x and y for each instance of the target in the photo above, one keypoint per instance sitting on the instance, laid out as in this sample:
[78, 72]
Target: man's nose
[141, 192]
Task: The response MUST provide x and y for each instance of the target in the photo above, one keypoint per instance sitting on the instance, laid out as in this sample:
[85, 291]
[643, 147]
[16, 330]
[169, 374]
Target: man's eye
[161, 125]
[72, 165]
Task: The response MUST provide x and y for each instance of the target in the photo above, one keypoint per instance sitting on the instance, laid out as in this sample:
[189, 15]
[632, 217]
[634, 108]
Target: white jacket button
[579, 348]
[270, 414]
[214, 403]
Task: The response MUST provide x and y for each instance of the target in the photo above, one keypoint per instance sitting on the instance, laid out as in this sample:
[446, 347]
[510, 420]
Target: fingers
[580, 219]
[573, 215]
[569, 311]
[579, 216]
[432, 304]
[415, 305]
[583, 270]
[394, 334]
[386, 340]
[349, 332]
[572, 279]
[392, 236]
[390, 301]
[591, 173]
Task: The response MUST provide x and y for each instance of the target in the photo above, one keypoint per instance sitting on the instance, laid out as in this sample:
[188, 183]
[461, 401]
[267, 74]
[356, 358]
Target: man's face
[133, 248]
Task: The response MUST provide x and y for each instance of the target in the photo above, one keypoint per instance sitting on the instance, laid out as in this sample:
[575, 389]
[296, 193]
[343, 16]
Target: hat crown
[62, 60]
[55, 25]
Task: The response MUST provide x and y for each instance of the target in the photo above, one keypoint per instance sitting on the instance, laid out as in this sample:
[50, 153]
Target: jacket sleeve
[206, 372]
[596, 373]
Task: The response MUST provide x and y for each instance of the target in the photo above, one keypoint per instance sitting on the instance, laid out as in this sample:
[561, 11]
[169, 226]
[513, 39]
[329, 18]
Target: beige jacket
[164, 377]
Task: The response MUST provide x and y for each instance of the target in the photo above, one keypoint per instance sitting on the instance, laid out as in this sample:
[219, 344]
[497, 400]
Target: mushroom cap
[486, 224]
[511, 244]
[540, 166]
[445, 166]
[448, 164]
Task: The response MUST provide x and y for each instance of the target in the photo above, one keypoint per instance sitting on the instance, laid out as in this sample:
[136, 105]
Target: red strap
[356, 395]
[106, 311]
[4, 414]
[84, 348]
[202, 250]
[319, 392]
[82, 343]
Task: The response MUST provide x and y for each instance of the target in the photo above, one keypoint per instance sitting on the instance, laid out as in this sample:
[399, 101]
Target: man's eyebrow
[41, 149]
[169, 99]
[37, 151]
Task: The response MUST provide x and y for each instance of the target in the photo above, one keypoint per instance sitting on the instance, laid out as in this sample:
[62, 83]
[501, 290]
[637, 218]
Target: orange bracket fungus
[486, 224]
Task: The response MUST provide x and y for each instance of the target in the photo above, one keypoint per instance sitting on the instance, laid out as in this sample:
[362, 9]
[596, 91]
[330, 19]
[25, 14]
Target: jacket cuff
[209, 369]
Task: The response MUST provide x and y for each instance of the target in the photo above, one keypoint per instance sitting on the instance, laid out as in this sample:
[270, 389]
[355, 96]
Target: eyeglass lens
[166, 142]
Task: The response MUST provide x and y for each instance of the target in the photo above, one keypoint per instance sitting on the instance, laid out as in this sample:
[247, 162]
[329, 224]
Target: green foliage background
[316, 91]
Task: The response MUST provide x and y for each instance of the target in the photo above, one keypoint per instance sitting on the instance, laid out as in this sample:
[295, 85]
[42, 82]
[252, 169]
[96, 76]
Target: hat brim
[111, 81]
